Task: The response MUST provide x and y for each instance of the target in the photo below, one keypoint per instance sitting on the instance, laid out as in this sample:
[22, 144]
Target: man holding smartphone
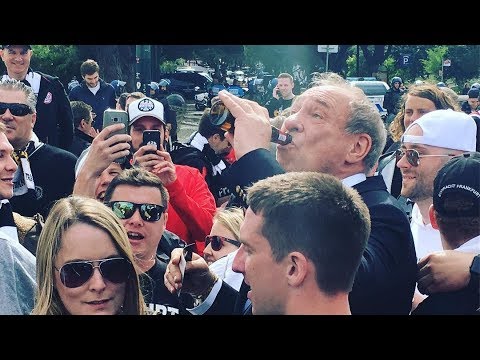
[282, 95]
[191, 205]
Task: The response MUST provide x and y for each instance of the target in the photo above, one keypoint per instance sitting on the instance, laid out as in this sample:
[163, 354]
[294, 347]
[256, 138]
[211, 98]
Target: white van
[375, 91]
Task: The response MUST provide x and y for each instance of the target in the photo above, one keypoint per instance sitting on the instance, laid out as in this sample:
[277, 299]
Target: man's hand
[252, 124]
[93, 132]
[158, 162]
[100, 155]
[104, 149]
[198, 277]
[276, 90]
[444, 271]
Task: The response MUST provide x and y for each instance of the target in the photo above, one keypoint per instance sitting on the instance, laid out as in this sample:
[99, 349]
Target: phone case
[151, 137]
[113, 116]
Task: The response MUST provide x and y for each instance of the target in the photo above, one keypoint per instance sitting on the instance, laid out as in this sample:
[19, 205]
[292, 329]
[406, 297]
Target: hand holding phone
[186, 256]
[152, 137]
[112, 116]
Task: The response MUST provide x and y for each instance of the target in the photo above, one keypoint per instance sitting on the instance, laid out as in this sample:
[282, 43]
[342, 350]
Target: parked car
[189, 83]
[375, 91]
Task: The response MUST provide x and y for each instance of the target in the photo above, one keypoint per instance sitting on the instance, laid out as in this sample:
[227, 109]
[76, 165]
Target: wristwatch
[475, 270]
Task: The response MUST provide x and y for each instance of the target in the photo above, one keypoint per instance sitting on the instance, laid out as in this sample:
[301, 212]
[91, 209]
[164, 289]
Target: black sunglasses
[77, 273]
[221, 117]
[15, 109]
[126, 209]
[413, 157]
[217, 241]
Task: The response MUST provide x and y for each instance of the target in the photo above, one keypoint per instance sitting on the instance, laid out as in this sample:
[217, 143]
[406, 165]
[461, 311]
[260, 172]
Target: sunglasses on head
[15, 109]
[413, 157]
[217, 241]
[126, 209]
[76, 273]
[221, 117]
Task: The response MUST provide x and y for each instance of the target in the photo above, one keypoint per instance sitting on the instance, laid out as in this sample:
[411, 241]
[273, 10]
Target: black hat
[27, 46]
[473, 93]
[459, 176]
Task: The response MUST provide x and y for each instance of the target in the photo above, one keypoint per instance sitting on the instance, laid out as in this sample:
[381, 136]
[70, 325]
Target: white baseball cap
[445, 128]
[146, 107]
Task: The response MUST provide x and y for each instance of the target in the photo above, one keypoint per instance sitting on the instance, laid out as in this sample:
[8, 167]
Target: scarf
[23, 178]
[199, 141]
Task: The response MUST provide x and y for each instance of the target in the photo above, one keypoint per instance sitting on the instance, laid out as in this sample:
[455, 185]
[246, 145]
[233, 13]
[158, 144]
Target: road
[188, 123]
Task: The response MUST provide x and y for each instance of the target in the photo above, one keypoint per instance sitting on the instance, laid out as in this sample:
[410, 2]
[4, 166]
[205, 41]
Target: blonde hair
[231, 219]
[65, 213]
[441, 99]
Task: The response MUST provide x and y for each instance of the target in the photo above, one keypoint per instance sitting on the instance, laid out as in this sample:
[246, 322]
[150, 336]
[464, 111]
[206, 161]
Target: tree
[375, 55]
[433, 63]
[56, 60]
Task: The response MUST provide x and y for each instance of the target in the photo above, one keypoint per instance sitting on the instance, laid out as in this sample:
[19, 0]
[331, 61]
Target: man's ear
[431, 215]
[83, 124]
[297, 268]
[360, 148]
[34, 119]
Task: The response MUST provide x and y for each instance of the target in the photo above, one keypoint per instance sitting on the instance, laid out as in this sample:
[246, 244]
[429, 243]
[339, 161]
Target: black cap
[473, 93]
[26, 46]
[459, 176]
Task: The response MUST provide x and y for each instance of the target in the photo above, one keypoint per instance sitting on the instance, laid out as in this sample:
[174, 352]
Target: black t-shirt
[157, 297]
[275, 107]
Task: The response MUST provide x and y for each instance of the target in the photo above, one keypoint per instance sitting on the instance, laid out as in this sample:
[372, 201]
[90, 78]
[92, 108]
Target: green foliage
[352, 66]
[56, 60]
[433, 63]
[170, 66]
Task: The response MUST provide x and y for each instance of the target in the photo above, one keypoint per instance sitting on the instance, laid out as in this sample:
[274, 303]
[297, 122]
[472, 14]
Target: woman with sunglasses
[85, 263]
[222, 244]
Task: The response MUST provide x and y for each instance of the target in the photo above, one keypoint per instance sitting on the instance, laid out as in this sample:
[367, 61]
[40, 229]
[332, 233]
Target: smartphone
[113, 116]
[186, 256]
[152, 137]
[279, 94]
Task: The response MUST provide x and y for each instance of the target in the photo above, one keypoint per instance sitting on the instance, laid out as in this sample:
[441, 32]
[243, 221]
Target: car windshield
[371, 88]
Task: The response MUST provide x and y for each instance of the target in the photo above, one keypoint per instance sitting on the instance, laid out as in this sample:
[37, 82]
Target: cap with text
[456, 188]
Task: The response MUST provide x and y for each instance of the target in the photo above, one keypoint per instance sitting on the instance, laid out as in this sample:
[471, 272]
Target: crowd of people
[356, 215]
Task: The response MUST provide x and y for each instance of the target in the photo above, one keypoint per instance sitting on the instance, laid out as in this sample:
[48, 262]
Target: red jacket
[191, 206]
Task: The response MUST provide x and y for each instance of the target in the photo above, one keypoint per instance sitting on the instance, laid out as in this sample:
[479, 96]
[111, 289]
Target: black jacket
[385, 281]
[80, 142]
[54, 124]
[53, 171]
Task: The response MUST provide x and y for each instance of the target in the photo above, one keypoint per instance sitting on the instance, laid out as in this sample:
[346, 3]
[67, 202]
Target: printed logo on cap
[146, 105]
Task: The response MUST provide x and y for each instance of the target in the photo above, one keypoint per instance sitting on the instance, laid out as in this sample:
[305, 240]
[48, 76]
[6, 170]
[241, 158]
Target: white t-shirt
[426, 239]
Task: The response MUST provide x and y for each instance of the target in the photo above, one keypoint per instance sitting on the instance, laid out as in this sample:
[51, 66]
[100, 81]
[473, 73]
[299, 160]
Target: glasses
[413, 157]
[15, 109]
[217, 241]
[126, 209]
[77, 273]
